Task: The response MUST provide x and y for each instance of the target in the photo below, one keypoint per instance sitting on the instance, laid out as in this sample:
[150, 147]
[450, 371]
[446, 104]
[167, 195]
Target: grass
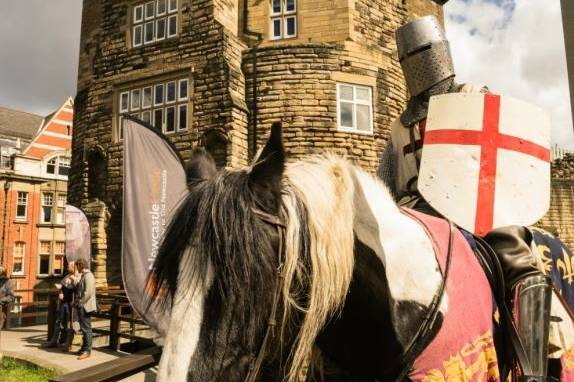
[12, 370]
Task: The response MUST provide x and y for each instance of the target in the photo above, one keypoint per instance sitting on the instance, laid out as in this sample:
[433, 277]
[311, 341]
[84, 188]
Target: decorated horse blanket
[463, 349]
[557, 261]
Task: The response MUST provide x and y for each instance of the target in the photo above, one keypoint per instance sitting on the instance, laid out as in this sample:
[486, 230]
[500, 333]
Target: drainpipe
[256, 39]
[7, 185]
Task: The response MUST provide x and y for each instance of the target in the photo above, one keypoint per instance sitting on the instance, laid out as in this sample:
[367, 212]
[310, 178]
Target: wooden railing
[30, 313]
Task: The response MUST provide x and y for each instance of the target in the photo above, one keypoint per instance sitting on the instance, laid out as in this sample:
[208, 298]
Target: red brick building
[33, 193]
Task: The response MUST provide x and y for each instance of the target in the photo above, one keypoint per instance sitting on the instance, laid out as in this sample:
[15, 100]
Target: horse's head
[220, 257]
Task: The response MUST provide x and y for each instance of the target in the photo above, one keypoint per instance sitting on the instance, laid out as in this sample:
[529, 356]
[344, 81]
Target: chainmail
[387, 170]
[417, 106]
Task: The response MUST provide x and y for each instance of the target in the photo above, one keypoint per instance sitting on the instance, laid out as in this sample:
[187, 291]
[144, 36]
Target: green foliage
[12, 370]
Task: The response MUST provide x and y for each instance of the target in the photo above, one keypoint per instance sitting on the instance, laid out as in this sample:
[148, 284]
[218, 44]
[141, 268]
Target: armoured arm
[387, 170]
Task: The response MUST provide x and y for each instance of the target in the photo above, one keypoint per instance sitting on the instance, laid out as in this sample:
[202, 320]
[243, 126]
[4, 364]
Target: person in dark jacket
[85, 304]
[6, 295]
[63, 332]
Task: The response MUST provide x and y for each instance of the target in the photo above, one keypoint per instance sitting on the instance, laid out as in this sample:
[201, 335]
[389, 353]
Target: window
[6, 154]
[44, 254]
[154, 21]
[22, 206]
[47, 203]
[163, 105]
[61, 209]
[283, 19]
[59, 165]
[354, 108]
[59, 251]
[18, 258]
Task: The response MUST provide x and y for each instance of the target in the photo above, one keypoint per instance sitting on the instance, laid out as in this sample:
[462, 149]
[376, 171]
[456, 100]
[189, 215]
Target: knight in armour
[425, 58]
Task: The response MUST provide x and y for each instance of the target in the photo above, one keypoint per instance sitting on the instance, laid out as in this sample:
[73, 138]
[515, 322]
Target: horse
[265, 266]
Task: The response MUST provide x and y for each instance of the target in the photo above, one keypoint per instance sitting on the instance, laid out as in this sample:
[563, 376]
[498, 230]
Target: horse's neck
[399, 242]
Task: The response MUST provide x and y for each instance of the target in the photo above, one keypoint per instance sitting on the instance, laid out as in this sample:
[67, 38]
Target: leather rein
[257, 361]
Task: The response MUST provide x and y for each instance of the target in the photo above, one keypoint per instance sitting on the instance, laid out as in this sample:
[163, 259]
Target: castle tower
[326, 68]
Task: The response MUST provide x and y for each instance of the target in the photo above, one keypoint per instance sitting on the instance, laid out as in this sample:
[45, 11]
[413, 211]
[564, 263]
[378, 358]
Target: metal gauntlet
[532, 297]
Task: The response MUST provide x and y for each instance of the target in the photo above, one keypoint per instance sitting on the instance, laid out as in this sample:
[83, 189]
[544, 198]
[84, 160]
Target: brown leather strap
[255, 366]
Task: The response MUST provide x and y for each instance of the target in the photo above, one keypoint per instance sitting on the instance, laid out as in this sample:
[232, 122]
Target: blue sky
[515, 47]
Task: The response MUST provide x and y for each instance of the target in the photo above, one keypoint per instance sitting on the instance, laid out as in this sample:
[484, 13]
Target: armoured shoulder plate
[424, 54]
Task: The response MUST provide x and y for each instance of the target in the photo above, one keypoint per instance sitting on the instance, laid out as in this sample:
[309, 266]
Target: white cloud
[516, 48]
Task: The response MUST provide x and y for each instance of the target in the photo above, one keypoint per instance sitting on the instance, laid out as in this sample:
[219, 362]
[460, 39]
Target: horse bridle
[257, 362]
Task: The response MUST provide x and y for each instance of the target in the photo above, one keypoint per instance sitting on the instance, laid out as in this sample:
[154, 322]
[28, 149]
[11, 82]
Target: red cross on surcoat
[490, 141]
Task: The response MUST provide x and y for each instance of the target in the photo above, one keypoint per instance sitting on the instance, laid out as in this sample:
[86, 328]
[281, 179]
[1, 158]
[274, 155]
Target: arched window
[59, 165]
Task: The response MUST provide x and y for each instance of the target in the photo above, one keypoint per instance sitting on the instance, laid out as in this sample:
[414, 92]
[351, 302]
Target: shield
[486, 161]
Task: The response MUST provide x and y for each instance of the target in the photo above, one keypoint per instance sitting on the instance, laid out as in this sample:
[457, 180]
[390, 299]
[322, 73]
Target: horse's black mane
[217, 218]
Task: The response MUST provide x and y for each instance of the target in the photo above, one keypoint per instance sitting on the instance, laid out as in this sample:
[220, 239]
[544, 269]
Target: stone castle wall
[560, 217]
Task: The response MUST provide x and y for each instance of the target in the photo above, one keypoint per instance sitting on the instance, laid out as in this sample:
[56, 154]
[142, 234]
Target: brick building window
[18, 258]
[59, 165]
[59, 251]
[283, 19]
[354, 108]
[6, 155]
[61, 209]
[47, 204]
[163, 105]
[44, 254]
[22, 206]
[154, 21]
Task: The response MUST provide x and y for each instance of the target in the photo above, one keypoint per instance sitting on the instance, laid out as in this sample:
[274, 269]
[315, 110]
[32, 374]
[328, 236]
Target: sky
[515, 47]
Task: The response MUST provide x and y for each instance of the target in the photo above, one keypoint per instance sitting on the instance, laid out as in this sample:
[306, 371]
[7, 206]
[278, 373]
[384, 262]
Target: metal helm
[424, 54]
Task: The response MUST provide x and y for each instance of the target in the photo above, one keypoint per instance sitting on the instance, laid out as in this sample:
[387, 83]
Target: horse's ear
[269, 165]
[200, 166]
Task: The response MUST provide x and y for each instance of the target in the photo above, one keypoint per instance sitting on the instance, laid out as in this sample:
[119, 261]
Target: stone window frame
[282, 16]
[355, 102]
[57, 208]
[22, 199]
[59, 165]
[21, 254]
[140, 15]
[43, 253]
[178, 104]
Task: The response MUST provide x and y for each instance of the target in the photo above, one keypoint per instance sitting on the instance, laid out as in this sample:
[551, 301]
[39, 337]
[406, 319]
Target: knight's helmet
[424, 54]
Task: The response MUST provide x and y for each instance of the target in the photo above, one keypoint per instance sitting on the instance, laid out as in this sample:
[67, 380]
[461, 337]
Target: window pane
[22, 205]
[124, 101]
[51, 166]
[346, 92]
[158, 94]
[146, 101]
[58, 265]
[346, 116]
[119, 127]
[60, 247]
[45, 247]
[47, 199]
[363, 94]
[46, 214]
[160, 7]
[64, 166]
[276, 28]
[170, 119]
[21, 212]
[276, 6]
[158, 118]
[149, 32]
[135, 99]
[170, 92]
[290, 6]
[44, 264]
[146, 116]
[138, 13]
[172, 5]
[290, 25]
[172, 26]
[182, 117]
[160, 29]
[60, 216]
[61, 200]
[137, 35]
[149, 10]
[363, 117]
[183, 89]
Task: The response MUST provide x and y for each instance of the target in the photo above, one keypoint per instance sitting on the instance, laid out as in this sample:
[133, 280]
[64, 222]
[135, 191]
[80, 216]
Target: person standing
[427, 65]
[6, 295]
[85, 304]
[63, 334]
